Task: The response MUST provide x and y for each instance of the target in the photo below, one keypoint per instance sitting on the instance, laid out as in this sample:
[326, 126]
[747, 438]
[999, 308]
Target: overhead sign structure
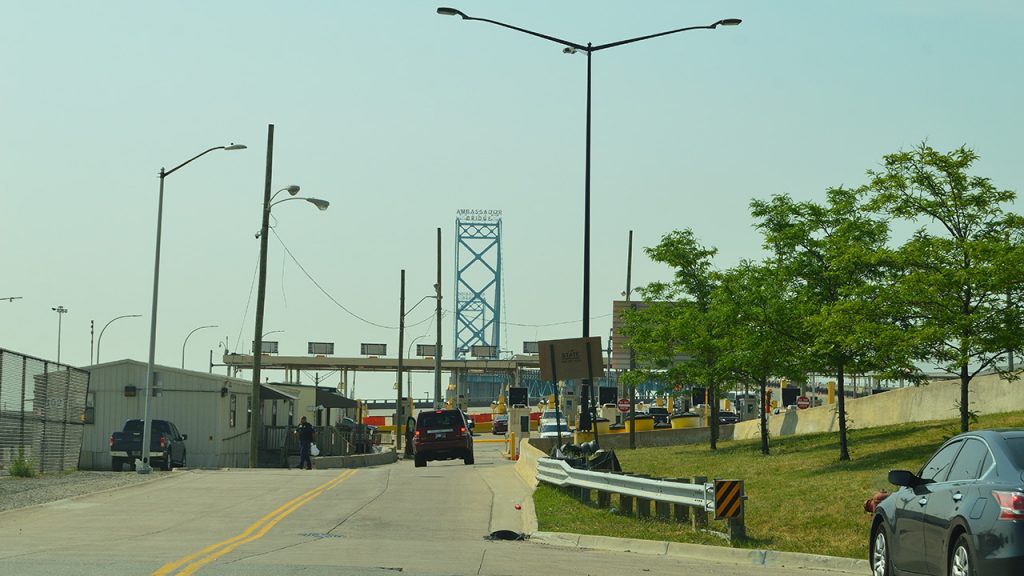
[266, 347]
[484, 351]
[324, 348]
[568, 359]
[530, 347]
[373, 349]
[426, 349]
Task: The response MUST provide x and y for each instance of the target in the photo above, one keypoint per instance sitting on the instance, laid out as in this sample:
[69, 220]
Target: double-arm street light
[589, 49]
[61, 311]
[194, 330]
[144, 468]
[257, 353]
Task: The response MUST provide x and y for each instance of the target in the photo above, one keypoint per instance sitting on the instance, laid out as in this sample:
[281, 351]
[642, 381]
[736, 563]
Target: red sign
[623, 405]
[803, 402]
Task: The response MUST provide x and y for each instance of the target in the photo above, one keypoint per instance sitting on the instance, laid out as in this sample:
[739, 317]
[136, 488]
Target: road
[377, 520]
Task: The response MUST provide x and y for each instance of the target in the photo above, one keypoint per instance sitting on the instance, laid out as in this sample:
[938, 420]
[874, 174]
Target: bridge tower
[477, 281]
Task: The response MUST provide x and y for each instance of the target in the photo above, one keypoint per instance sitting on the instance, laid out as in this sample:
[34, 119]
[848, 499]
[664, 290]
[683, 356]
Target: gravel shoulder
[18, 493]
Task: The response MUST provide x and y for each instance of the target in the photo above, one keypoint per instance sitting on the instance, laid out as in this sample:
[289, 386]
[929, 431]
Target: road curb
[742, 556]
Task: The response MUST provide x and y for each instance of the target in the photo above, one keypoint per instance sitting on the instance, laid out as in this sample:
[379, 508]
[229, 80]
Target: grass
[801, 498]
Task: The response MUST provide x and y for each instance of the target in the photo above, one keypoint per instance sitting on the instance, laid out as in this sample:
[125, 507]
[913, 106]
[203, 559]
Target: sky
[401, 117]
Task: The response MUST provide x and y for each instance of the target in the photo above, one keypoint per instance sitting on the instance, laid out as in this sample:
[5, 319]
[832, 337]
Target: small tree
[963, 271]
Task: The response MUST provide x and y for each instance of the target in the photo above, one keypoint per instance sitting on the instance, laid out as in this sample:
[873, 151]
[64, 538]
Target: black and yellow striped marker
[728, 499]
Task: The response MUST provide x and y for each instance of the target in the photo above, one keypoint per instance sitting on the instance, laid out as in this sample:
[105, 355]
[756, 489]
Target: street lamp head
[235, 147]
[568, 50]
[321, 204]
[293, 189]
[728, 22]
[451, 12]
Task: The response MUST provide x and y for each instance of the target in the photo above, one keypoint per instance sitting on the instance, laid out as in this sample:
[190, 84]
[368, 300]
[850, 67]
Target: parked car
[346, 424]
[442, 435]
[961, 514]
[500, 424]
[166, 446]
[549, 416]
[660, 416]
[728, 417]
[551, 430]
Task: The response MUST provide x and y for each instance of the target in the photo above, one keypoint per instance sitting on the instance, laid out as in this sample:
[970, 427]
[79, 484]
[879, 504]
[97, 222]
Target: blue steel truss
[477, 285]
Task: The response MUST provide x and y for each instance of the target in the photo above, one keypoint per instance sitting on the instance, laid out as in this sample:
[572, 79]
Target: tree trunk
[712, 409]
[763, 409]
[965, 413]
[844, 453]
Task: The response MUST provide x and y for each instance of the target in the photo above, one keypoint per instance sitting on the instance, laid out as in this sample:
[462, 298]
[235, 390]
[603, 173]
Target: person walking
[410, 432]
[306, 435]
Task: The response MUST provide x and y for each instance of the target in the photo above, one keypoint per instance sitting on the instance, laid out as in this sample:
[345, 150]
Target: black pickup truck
[166, 447]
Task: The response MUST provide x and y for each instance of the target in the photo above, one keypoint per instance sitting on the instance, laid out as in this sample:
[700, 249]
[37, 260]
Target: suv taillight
[1011, 505]
[111, 441]
[417, 434]
[163, 442]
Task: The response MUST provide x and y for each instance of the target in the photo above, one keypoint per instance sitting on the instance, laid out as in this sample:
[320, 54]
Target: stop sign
[803, 402]
[623, 405]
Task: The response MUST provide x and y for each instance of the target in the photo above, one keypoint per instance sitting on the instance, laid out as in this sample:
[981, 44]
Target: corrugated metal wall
[194, 401]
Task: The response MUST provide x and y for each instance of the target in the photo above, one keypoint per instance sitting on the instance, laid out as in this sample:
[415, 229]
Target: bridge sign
[623, 405]
[803, 402]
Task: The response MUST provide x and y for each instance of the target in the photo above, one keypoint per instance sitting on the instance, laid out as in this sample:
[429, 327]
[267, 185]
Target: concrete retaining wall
[938, 400]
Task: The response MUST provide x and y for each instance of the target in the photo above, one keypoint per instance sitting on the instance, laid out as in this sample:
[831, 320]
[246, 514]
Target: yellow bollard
[511, 445]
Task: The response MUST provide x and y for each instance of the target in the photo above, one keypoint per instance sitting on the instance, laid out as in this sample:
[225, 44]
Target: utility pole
[632, 387]
[437, 346]
[398, 383]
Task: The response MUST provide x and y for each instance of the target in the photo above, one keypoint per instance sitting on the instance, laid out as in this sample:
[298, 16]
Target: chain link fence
[42, 412]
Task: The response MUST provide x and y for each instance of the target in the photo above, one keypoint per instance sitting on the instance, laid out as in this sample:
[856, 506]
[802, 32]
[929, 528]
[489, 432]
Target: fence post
[604, 499]
[700, 515]
[681, 511]
[643, 505]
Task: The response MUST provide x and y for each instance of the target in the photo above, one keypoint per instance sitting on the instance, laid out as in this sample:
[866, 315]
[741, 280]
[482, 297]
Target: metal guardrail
[559, 473]
[724, 498]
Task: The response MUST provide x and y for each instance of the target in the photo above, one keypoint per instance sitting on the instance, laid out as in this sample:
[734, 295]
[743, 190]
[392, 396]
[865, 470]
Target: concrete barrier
[937, 400]
[386, 456]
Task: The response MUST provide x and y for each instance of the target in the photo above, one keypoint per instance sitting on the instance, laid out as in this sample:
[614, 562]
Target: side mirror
[184, 436]
[903, 478]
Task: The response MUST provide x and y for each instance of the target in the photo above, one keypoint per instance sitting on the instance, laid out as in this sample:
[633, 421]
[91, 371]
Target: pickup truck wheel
[117, 464]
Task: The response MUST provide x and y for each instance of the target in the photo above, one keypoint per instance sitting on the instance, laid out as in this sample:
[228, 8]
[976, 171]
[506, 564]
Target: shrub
[21, 467]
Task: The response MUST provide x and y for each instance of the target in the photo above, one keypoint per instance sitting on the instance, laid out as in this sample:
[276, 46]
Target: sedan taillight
[1011, 505]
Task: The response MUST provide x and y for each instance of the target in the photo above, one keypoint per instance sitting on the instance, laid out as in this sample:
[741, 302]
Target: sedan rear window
[1016, 445]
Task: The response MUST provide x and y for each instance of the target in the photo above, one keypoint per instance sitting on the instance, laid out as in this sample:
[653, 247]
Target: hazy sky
[400, 117]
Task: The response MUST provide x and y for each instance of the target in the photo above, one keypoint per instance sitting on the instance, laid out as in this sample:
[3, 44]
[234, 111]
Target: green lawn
[800, 497]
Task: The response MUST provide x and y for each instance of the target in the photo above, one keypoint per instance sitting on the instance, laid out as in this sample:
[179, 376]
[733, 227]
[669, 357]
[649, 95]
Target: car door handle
[922, 501]
[958, 497]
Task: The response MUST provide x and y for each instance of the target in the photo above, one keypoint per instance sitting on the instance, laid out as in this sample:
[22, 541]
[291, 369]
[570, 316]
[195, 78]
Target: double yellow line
[190, 564]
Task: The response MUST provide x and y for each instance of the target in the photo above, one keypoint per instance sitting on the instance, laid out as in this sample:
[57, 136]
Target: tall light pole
[61, 311]
[99, 340]
[144, 468]
[189, 336]
[572, 48]
[268, 203]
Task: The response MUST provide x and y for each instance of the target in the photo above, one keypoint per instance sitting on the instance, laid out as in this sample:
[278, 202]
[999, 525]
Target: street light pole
[144, 467]
[61, 311]
[572, 48]
[255, 417]
[99, 340]
[186, 341]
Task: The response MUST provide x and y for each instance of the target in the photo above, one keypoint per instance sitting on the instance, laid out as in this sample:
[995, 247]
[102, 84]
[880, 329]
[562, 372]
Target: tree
[765, 335]
[676, 329]
[834, 254]
[963, 269]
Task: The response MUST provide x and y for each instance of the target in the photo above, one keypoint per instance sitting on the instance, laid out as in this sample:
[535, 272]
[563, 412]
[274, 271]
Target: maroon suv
[442, 435]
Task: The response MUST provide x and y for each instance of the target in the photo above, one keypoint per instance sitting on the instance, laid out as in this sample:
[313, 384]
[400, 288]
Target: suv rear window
[443, 419]
[1016, 445]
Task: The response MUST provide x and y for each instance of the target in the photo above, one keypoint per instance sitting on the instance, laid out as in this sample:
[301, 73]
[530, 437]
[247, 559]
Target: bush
[21, 467]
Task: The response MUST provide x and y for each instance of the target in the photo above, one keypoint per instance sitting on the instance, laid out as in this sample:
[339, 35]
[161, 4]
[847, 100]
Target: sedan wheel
[880, 553]
[960, 562]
